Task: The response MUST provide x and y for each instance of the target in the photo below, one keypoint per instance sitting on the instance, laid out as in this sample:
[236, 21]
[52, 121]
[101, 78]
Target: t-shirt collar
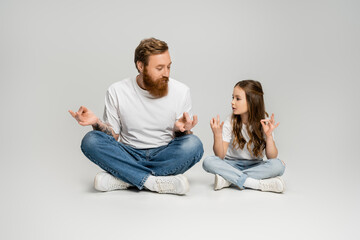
[143, 92]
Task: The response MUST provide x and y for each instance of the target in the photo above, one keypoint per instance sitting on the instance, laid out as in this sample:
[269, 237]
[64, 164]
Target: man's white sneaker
[272, 185]
[177, 184]
[106, 182]
[220, 182]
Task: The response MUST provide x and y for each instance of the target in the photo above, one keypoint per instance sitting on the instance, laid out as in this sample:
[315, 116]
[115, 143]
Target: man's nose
[166, 72]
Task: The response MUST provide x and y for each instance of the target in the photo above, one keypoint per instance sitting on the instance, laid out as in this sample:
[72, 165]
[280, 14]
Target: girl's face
[239, 103]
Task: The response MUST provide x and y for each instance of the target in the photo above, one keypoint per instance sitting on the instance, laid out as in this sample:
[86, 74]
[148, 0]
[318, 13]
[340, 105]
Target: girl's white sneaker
[272, 185]
[220, 182]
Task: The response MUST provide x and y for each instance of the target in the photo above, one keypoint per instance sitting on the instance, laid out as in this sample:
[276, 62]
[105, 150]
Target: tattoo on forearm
[105, 128]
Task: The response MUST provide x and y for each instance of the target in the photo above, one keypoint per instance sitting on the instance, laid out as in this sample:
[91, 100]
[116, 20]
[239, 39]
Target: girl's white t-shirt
[236, 154]
[142, 120]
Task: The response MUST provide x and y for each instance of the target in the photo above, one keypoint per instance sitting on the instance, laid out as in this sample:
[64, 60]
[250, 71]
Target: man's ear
[140, 66]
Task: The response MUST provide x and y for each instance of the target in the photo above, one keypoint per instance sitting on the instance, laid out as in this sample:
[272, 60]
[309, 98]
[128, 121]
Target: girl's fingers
[273, 126]
[212, 122]
[218, 119]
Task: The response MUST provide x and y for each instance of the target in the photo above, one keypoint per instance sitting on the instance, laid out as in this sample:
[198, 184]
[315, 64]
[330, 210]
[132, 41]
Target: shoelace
[269, 185]
[165, 186]
[117, 186]
[114, 183]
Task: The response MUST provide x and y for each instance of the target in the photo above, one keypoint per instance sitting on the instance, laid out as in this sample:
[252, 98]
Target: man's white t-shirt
[141, 120]
[236, 154]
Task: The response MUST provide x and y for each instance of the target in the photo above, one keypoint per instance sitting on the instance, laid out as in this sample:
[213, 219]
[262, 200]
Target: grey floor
[64, 205]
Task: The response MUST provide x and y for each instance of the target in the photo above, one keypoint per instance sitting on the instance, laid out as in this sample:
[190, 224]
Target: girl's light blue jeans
[135, 165]
[236, 171]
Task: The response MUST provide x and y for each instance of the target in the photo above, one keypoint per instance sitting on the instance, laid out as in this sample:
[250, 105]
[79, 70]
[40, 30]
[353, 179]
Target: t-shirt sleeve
[111, 115]
[227, 130]
[185, 106]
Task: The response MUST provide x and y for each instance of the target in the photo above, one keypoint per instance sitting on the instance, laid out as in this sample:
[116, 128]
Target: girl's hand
[216, 126]
[268, 125]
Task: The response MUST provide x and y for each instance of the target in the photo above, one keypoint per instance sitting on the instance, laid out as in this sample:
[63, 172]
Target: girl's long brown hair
[256, 112]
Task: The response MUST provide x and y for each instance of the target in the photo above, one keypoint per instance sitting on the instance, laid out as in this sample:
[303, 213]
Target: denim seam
[186, 163]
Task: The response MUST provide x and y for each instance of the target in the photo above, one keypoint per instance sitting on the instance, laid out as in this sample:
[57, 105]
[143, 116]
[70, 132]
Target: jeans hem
[141, 186]
[241, 181]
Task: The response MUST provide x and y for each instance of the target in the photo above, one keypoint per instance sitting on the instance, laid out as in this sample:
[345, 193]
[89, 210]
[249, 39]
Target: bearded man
[145, 139]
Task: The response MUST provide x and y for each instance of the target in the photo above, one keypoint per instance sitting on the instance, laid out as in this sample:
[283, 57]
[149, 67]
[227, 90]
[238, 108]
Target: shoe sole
[216, 183]
[186, 183]
[96, 180]
[283, 183]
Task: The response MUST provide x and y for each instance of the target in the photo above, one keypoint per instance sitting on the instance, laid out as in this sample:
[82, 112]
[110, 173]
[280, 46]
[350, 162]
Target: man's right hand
[84, 116]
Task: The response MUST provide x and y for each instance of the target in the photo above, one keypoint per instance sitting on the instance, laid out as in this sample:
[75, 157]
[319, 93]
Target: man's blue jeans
[135, 165]
[236, 171]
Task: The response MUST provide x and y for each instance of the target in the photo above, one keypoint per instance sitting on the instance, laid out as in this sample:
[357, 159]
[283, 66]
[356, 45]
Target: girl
[240, 143]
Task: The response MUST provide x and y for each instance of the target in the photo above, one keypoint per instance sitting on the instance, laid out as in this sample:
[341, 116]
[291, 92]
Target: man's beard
[157, 88]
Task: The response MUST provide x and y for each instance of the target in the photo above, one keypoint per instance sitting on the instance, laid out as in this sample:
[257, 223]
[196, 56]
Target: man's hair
[148, 47]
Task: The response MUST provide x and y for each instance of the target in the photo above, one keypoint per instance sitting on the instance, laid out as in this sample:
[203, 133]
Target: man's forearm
[103, 127]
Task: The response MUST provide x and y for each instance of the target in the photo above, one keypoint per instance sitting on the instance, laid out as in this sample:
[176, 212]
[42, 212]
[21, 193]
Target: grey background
[58, 55]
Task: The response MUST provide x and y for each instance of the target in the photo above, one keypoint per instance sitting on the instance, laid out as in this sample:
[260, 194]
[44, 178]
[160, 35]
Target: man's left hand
[185, 123]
